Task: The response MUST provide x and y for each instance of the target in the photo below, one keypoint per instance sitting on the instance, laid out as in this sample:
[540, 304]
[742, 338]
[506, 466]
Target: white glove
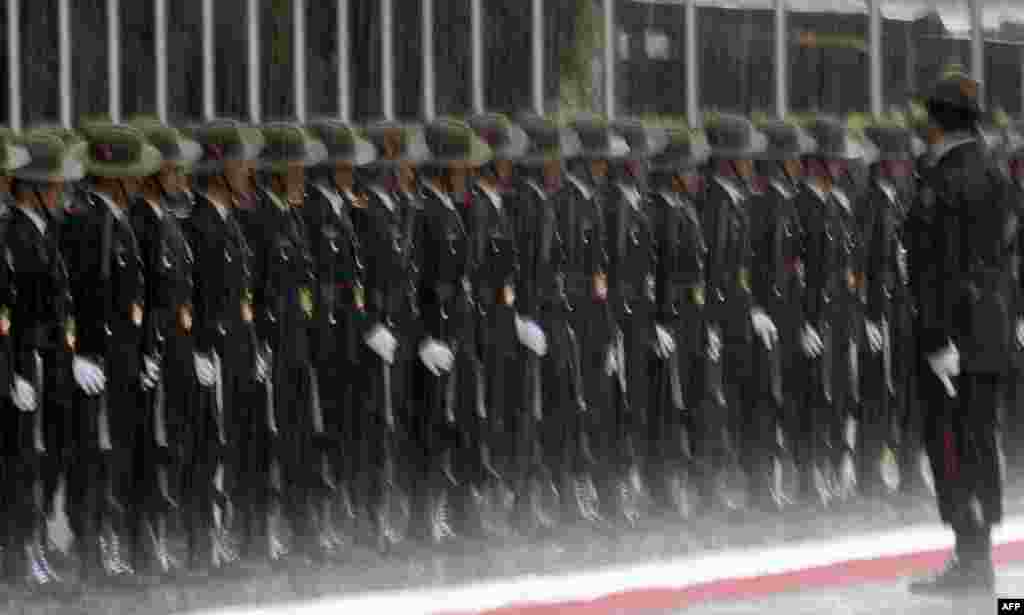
[532, 336]
[811, 342]
[436, 357]
[206, 373]
[381, 341]
[874, 334]
[611, 362]
[714, 348]
[664, 345]
[1020, 333]
[764, 327]
[946, 365]
[150, 372]
[89, 376]
[23, 395]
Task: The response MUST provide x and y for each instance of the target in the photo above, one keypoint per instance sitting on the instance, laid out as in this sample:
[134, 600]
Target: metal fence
[690, 83]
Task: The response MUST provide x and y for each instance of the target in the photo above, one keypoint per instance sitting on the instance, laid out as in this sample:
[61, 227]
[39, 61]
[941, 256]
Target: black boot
[969, 571]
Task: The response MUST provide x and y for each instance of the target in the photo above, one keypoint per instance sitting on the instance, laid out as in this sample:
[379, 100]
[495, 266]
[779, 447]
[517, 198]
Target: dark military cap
[288, 144]
[506, 140]
[894, 142]
[343, 143]
[958, 93]
[397, 143]
[119, 151]
[453, 142]
[223, 140]
[786, 141]
[548, 140]
[599, 140]
[643, 141]
[12, 155]
[51, 160]
[734, 137]
[834, 141]
[684, 150]
[174, 146]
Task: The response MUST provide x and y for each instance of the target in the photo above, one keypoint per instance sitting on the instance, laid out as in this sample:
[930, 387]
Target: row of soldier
[276, 340]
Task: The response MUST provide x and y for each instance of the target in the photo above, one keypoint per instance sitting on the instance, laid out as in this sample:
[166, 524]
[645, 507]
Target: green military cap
[223, 140]
[343, 142]
[507, 140]
[644, 141]
[894, 142]
[119, 151]
[453, 142]
[957, 92]
[51, 160]
[598, 139]
[786, 141]
[835, 142]
[397, 143]
[686, 149]
[12, 155]
[174, 146]
[289, 144]
[733, 137]
[547, 140]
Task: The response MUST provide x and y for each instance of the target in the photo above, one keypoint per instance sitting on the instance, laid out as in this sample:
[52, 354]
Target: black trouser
[960, 437]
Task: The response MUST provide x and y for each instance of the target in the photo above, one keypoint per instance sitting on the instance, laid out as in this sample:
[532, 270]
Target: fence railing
[387, 73]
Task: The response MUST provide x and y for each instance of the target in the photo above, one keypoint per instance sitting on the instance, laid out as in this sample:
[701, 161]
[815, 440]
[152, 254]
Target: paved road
[876, 599]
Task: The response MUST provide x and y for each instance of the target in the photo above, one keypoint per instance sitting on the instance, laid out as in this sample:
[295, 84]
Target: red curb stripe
[842, 573]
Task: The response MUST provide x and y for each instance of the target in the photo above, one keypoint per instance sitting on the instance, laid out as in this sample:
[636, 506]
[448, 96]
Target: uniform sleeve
[203, 289]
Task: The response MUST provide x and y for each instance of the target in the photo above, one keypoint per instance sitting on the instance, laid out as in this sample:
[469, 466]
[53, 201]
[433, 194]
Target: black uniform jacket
[966, 293]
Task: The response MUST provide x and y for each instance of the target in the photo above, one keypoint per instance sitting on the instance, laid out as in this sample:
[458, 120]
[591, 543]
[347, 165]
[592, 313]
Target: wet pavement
[872, 599]
[573, 549]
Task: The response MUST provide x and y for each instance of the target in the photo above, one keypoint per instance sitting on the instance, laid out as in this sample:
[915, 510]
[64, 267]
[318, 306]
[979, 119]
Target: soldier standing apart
[107, 281]
[887, 375]
[284, 309]
[388, 410]
[338, 314]
[680, 251]
[1013, 425]
[832, 307]
[229, 422]
[965, 328]
[734, 318]
[36, 346]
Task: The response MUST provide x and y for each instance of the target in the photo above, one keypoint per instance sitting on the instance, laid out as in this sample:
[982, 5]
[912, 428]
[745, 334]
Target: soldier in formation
[494, 328]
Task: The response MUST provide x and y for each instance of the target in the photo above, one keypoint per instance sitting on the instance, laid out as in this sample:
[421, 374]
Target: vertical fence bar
[14, 63]
[610, 54]
[875, 54]
[253, 21]
[160, 14]
[299, 51]
[114, 58]
[781, 60]
[692, 74]
[978, 49]
[538, 57]
[428, 60]
[208, 93]
[64, 33]
[387, 59]
[477, 30]
[344, 63]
